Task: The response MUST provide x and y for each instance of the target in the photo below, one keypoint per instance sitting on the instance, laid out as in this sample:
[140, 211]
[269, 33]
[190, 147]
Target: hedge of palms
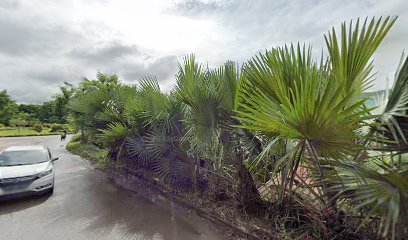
[298, 126]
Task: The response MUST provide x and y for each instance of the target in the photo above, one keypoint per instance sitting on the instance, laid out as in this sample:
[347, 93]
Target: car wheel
[51, 191]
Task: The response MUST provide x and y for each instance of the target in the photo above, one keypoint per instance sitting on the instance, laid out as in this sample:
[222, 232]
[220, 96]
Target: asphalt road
[87, 205]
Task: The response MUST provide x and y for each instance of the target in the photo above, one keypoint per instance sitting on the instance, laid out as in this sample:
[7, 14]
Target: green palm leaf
[115, 131]
[351, 52]
[393, 106]
[380, 187]
[285, 93]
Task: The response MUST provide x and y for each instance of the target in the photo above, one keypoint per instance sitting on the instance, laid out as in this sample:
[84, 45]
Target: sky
[44, 43]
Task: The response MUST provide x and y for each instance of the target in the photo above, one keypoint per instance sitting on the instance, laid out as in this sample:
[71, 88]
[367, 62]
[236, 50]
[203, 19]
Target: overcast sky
[44, 43]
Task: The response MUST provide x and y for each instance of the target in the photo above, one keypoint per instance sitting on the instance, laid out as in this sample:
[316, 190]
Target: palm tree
[157, 141]
[101, 113]
[392, 109]
[318, 105]
[379, 186]
[210, 97]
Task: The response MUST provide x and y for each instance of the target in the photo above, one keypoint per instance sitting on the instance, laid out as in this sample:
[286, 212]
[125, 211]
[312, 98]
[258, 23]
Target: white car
[26, 170]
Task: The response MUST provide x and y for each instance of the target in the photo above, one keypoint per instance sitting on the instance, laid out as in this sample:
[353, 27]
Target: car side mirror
[54, 159]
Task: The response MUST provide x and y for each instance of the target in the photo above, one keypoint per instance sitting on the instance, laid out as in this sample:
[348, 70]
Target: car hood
[23, 170]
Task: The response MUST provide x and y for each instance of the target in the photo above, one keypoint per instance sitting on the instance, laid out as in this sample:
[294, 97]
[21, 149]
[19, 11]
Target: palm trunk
[83, 138]
[196, 173]
[331, 199]
[120, 150]
[248, 192]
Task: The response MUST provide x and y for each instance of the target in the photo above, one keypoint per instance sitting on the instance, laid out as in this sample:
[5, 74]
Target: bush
[31, 123]
[72, 145]
[37, 127]
[76, 138]
[56, 127]
[18, 122]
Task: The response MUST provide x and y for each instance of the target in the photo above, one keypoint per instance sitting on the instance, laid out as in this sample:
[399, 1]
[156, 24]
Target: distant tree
[102, 82]
[54, 111]
[54, 119]
[32, 109]
[46, 112]
[18, 122]
[61, 100]
[7, 107]
[20, 119]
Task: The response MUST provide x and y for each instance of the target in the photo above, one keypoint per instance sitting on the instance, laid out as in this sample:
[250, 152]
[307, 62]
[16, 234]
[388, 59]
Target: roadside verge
[151, 189]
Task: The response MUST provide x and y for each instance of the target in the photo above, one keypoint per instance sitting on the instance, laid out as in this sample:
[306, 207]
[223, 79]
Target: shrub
[72, 145]
[56, 127]
[76, 138]
[37, 127]
[18, 122]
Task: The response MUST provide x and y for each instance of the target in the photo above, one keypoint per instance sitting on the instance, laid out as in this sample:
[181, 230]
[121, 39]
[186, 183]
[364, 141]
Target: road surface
[87, 205]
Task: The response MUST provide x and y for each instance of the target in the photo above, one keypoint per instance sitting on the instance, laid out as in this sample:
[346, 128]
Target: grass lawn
[24, 131]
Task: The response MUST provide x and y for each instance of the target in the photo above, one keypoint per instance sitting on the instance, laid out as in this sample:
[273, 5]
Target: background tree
[45, 113]
[54, 111]
[102, 82]
[7, 108]
[61, 101]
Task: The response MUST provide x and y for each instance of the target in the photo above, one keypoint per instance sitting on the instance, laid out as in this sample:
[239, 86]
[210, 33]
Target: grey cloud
[49, 76]
[40, 49]
[32, 92]
[9, 4]
[18, 39]
[32, 80]
[163, 68]
[197, 8]
[38, 56]
[129, 61]
[105, 53]
[258, 25]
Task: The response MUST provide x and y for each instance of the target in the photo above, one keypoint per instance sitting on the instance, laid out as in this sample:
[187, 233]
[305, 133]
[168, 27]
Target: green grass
[89, 151]
[23, 131]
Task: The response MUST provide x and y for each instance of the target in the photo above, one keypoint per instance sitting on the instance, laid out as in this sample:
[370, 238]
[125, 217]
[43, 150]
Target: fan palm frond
[200, 91]
[115, 131]
[380, 187]
[173, 170]
[190, 75]
[229, 76]
[158, 143]
[136, 148]
[154, 102]
[285, 93]
[351, 52]
[393, 113]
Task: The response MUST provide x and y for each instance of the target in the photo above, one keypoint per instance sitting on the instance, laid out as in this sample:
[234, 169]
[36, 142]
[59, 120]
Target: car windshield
[15, 158]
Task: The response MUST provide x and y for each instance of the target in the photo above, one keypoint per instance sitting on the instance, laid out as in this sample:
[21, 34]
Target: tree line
[27, 115]
[54, 111]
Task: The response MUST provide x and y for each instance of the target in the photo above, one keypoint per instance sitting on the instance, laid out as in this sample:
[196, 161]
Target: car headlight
[45, 173]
